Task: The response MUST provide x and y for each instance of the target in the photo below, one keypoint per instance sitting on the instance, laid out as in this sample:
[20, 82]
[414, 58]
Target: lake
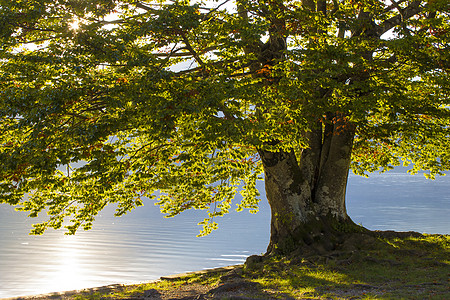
[143, 246]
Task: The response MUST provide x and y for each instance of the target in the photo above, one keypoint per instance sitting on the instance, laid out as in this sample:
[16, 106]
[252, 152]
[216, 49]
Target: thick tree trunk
[307, 195]
[306, 191]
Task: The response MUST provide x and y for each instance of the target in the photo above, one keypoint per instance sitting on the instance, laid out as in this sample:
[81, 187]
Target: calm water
[143, 246]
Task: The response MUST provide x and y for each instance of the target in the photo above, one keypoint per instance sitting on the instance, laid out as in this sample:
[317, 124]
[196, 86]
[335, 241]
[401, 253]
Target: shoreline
[115, 286]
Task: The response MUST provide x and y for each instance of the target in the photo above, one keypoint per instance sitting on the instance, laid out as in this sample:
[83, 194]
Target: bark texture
[307, 195]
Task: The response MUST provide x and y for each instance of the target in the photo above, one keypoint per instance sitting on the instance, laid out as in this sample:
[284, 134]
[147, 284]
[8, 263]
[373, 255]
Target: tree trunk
[305, 189]
[307, 195]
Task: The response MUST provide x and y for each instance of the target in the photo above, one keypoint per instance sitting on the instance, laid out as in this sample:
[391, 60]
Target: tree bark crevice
[307, 196]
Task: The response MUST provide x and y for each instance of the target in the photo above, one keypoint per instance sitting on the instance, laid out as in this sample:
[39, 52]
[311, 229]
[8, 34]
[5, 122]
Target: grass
[390, 268]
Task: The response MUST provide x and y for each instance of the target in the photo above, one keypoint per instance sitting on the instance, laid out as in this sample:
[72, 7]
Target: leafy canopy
[109, 101]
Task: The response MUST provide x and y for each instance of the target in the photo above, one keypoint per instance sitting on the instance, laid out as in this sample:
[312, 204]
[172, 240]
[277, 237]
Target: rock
[231, 275]
[152, 294]
[253, 261]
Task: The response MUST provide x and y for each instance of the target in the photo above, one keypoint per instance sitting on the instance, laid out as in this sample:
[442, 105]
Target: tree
[111, 101]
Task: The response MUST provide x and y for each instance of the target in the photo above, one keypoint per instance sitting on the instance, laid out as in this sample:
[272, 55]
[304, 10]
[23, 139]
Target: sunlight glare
[75, 25]
[66, 270]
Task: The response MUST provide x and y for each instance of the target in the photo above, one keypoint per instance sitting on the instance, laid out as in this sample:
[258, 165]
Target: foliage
[111, 101]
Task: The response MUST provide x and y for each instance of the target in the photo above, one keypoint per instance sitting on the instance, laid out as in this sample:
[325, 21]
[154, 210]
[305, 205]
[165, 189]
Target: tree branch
[413, 9]
[182, 54]
[211, 10]
[193, 52]
[144, 7]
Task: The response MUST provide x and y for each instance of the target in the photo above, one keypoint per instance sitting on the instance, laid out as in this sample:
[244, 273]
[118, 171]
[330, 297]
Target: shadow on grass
[381, 265]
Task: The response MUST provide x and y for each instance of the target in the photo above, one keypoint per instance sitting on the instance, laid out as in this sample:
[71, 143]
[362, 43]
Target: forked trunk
[307, 195]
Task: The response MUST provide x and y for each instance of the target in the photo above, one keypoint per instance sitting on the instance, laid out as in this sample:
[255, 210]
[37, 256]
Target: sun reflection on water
[68, 272]
[59, 266]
